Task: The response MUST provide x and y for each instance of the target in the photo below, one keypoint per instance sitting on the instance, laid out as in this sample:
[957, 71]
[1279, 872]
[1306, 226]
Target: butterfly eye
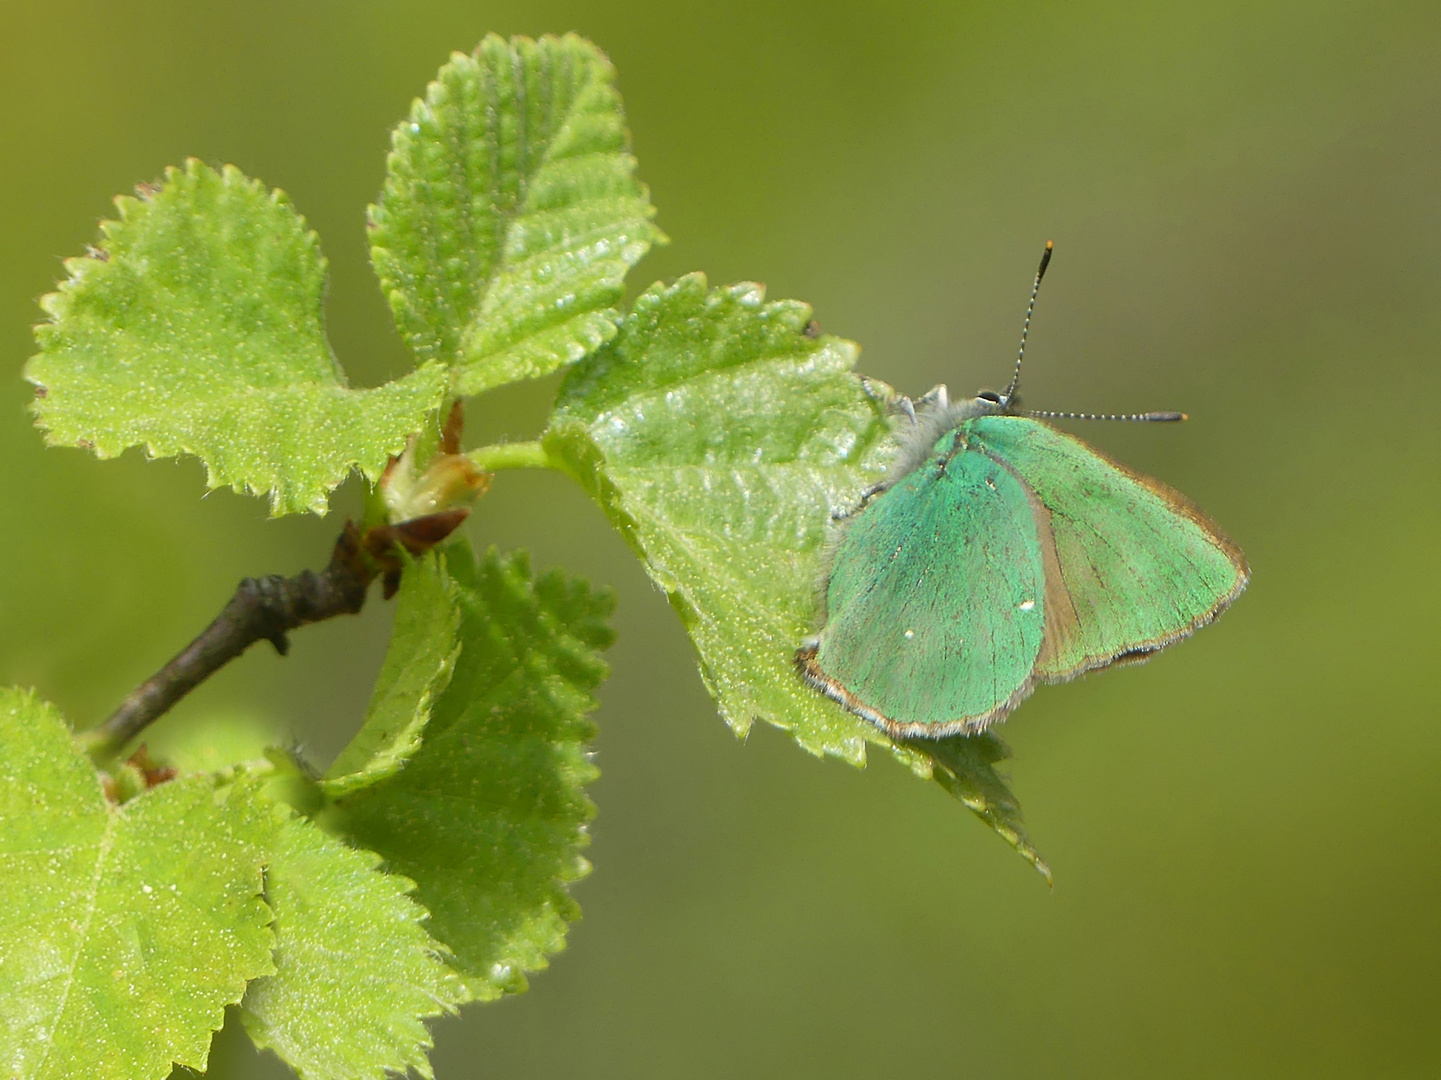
[989, 395]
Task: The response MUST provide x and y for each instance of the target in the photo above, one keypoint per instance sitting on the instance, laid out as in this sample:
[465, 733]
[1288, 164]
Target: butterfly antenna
[1141, 417]
[1026, 326]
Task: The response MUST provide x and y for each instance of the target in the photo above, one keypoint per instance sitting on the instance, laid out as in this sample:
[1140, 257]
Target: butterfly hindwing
[1132, 565]
[934, 613]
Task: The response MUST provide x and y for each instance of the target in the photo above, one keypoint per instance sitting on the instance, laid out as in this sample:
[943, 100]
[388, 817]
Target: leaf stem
[517, 455]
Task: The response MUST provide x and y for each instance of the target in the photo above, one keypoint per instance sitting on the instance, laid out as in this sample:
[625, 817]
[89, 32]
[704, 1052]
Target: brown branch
[265, 609]
[269, 608]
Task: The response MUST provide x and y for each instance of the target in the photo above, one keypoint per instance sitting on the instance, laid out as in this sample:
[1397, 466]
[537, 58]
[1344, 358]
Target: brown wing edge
[1058, 601]
[808, 665]
[1059, 615]
[810, 671]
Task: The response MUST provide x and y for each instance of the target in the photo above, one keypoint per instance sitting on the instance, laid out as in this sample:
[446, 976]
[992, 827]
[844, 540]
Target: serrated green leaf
[196, 328]
[127, 929]
[510, 212]
[424, 643]
[720, 436]
[355, 971]
[488, 817]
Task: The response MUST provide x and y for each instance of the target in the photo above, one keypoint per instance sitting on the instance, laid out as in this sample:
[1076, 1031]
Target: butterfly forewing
[1139, 566]
[934, 612]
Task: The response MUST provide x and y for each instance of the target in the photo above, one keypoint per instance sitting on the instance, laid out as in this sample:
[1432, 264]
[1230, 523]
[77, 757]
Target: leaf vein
[107, 841]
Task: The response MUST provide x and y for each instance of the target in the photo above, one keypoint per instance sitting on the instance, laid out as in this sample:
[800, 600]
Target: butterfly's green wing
[934, 613]
[1131, 564]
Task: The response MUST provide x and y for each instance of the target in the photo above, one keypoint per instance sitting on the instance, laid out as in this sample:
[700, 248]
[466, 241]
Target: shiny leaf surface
[510, 212]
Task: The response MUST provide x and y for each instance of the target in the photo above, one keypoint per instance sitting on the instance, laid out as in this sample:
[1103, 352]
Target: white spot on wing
[1028, 605]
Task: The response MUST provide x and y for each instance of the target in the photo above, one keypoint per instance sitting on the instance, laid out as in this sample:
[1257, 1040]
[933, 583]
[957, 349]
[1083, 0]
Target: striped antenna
[1141, 417]
[1026, 326]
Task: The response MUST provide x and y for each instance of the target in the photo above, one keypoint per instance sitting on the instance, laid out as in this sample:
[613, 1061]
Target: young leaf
[127, 929]
[423, 647]
[488, 817]
[355, 971]
[195, 328]
[720, 436]
[510, 212]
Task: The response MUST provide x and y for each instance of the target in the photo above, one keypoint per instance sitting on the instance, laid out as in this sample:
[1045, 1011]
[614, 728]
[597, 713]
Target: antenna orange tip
[1049, 245]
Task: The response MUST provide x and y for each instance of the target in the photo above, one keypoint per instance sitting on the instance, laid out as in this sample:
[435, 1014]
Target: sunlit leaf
[195, 328]
[356, 973]
[720, 435]
[511, 212]
[488, 817]
[129, 928]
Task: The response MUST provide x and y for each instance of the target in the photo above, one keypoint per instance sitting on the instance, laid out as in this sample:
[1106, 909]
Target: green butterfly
[1004, 553]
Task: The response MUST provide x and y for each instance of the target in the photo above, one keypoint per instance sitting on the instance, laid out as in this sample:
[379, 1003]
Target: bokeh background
[1244, 199]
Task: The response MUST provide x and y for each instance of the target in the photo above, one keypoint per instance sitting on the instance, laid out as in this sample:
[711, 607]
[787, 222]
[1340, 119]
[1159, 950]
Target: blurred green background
[1244, 199]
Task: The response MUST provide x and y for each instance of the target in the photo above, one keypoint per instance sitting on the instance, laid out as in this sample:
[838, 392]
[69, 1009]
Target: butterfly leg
[866, 496]
[936, 397]
[886, 395]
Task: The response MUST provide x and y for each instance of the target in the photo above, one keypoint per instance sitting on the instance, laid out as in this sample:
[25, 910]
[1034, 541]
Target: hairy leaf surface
[510, 212]
[720, 435]
[127, 929]
[356, 973]
[195, 328]
[488, 817]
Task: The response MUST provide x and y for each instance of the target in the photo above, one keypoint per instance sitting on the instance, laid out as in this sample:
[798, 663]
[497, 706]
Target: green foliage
[489, 816]
[128, 928]
[720, 435]
[355, 970]
[195, 328]
[510, 212]
[431, 865]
